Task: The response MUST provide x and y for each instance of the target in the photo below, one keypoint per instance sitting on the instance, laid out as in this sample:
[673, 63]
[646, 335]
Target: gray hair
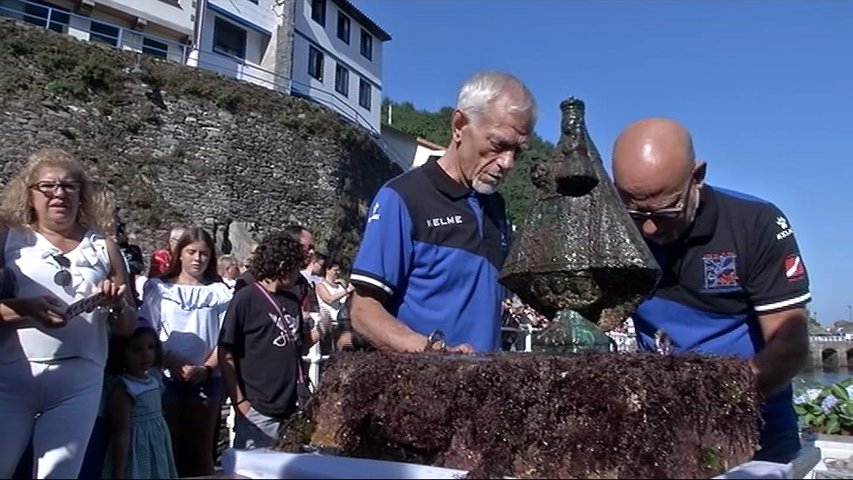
[479, 92]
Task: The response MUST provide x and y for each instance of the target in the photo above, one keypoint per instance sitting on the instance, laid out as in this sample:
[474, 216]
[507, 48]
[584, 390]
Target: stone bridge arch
[830, 355]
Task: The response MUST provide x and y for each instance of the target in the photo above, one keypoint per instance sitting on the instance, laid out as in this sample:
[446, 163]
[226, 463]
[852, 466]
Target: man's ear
[699, 172]
[458, 120]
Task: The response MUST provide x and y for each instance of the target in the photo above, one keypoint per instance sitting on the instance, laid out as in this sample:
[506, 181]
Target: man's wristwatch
[435, 341]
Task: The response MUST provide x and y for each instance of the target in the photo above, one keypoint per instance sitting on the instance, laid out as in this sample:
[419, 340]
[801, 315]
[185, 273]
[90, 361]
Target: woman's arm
[122, 315]
[118, 415]
[47, 310]
[323, 293]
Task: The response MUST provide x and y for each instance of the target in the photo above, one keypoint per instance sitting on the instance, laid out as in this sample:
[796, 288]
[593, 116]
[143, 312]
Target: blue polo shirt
[738, 261]
[436, 247]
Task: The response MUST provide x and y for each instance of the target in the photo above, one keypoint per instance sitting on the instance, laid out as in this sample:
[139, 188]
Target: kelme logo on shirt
[784, 229]
[444, 221]
[374, 215]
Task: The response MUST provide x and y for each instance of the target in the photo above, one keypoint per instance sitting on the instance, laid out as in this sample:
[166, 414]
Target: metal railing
[847, 337]
[86, 28]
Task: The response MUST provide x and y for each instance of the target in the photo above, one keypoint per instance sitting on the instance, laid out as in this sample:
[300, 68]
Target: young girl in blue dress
[139, 444]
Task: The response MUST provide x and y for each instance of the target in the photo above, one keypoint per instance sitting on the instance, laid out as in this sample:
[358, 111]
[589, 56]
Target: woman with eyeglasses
[187, 305]
[51, 363]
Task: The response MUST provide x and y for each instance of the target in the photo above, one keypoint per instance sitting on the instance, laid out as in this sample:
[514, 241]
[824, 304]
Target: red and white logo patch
[794, 269]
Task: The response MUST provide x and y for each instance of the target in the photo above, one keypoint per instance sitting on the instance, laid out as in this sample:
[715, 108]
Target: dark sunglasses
[62, 277]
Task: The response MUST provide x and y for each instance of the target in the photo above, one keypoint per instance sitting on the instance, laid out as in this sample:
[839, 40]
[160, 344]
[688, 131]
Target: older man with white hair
[436, 236]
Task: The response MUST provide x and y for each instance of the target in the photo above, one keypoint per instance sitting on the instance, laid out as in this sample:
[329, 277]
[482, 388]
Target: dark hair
[117, 361]
[277, 255]
[295, 231]
[192, 235]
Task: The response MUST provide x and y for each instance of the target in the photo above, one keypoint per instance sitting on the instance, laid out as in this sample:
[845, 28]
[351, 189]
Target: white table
[269, 464]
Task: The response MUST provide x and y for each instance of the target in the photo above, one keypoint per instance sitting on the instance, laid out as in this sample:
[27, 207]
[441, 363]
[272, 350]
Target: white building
[241, 39]
[155, 27]
[337, 59]
[325, 50]
[408, 151]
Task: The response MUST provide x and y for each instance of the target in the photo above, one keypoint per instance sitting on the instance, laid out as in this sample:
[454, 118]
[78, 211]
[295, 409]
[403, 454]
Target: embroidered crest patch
[720, 272]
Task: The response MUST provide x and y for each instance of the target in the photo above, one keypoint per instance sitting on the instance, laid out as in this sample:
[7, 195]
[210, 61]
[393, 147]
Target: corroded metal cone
[578, 248]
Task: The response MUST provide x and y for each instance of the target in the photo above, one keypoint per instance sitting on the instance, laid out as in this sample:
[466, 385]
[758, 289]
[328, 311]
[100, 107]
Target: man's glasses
[52, 188]
[668, 213]
[63, 276]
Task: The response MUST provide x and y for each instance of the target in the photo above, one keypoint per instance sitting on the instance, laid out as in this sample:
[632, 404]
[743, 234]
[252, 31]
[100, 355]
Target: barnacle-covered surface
[589, 415]
[578, 249]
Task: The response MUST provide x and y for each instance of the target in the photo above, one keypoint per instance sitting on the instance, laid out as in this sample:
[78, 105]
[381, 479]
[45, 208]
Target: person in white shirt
[332, 293]
[51, 366]
[186, 306]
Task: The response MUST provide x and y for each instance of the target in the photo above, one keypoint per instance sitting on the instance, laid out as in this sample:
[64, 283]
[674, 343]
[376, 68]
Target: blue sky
[765, 87]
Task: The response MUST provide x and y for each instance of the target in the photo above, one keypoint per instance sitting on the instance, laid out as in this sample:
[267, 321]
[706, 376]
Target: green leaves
[828, 409]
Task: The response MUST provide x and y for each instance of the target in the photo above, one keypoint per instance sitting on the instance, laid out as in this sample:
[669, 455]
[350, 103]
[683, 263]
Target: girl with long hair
[186, 306]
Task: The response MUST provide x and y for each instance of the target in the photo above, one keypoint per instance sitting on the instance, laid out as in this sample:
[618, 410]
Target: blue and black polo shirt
[739, 260]
[436, 247]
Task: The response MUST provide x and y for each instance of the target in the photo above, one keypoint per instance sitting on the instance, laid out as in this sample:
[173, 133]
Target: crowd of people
[109, 369]
[131, 384]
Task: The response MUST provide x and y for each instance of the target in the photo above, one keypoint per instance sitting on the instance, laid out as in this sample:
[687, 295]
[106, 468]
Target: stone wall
[178, 144]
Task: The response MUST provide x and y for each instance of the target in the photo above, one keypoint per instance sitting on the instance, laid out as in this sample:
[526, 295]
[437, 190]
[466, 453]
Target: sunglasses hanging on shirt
[63, 276]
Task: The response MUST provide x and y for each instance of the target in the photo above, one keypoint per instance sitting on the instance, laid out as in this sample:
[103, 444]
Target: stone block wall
[178, 144]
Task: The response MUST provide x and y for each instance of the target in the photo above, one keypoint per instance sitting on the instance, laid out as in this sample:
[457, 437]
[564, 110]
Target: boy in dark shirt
[262, 341]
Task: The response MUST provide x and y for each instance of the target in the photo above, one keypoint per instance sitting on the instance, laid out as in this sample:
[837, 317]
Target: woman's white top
[29, 256]
[332, 308]
[187, 317]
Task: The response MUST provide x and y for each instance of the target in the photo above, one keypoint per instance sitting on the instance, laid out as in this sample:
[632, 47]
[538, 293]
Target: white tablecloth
[268, 464]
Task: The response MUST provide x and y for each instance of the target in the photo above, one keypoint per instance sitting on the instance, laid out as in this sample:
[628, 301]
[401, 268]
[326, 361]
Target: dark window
[229, 39]
[38, 14]
[366, 44]
[364, 93]
[318, 11]
[315, 63]
[343, 27]
[342, 80]
[101, 32]
[153, 47]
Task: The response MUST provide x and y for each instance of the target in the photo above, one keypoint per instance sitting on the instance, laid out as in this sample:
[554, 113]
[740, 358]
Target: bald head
[652, 156]
[656, 174]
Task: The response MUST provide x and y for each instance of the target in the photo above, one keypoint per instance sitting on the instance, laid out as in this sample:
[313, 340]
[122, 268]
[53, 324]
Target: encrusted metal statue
[579, 259]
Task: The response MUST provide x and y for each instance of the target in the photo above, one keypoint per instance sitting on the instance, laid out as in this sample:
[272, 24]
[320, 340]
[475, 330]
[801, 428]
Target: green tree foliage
[435, 127]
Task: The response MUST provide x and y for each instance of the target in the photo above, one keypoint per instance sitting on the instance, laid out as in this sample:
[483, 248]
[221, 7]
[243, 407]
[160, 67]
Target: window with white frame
[315, 63]
[342, 80]
[343, 27]
[318, 11]
[103, 33]
[366, 44]
[229, 39]
[364, 93]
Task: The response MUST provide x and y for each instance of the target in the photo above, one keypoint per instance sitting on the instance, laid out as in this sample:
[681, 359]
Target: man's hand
[47, 310]
[464, 348]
